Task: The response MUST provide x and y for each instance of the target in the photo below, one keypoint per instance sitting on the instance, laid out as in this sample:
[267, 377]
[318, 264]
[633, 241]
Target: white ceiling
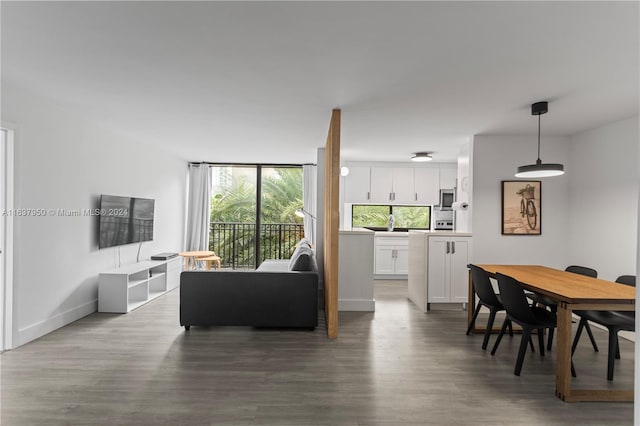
[256, 82]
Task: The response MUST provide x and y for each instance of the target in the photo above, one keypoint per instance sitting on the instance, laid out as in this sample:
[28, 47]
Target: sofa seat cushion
[274, 265]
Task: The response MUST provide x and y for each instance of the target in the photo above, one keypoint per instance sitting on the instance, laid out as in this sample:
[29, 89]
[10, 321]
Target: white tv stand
[131, 286]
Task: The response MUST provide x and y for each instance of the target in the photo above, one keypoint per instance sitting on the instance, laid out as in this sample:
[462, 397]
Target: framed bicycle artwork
[521, 210]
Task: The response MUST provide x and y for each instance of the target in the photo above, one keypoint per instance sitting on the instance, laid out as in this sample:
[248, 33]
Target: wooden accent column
[331, 223]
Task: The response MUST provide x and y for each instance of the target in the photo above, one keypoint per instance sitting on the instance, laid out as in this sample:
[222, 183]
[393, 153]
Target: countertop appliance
[447, 197]
[444, 225]
[443, 220]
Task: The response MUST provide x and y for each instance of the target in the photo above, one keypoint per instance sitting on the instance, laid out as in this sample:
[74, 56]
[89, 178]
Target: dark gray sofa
[271, 296]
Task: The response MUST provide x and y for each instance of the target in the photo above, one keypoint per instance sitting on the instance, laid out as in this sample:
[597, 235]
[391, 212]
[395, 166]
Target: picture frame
[521, 207]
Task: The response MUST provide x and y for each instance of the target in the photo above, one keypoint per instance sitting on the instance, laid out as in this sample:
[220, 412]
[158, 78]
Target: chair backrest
[582, 270]
[514, 300]
[482, 286]
[627, 279]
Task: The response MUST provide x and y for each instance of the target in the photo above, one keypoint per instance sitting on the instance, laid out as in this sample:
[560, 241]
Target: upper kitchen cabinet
[397, 185]
[392, 185]
[381, 184]
[358, 185]
[427, 185]
[448, 178]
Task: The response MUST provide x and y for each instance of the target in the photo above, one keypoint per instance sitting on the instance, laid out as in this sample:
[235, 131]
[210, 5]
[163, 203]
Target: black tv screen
[125, 220]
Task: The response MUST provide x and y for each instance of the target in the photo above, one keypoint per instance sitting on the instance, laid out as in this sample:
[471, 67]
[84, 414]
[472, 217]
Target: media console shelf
[125, 289]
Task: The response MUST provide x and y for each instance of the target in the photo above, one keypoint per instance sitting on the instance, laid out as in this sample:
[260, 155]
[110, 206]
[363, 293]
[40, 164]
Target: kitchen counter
[441, 233]
[392, 233]
[356, 231]
[404, 233]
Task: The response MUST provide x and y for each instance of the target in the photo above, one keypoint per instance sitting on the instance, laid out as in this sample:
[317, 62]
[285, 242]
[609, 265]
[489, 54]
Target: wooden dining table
[571, 292]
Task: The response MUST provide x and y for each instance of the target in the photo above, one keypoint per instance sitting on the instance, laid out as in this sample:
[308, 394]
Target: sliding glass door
[281, 196]
[253, 213]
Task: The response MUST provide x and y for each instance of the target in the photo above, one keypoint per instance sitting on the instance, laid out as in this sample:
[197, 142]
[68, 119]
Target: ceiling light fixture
[539, 169]
[422, 156]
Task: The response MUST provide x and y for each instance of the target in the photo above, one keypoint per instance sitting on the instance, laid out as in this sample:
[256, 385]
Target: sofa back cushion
[303, 261]
[302, 258]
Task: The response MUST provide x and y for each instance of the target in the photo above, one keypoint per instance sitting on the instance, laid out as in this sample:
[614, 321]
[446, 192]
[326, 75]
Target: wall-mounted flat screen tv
[125, 220]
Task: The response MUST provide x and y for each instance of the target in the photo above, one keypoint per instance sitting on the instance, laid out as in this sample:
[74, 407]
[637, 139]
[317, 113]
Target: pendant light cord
[539, 136]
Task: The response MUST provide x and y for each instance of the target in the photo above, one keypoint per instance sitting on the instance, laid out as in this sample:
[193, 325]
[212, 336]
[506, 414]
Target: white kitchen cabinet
[426, 185]
[391, 255]
[402, 258]
[384, 259]
[381, 185]
[403, 186]
[392, 185]
[358, 185]
[448, 178]
[447, 275]
[435, 276]
[397, 185]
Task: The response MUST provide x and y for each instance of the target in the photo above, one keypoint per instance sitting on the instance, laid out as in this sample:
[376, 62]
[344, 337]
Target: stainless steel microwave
[447, 197]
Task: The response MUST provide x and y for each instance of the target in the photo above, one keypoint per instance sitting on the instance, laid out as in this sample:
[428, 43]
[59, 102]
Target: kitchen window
[376, 216]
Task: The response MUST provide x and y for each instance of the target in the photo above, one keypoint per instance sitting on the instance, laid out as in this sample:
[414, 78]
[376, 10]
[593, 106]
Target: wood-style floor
[396, 366]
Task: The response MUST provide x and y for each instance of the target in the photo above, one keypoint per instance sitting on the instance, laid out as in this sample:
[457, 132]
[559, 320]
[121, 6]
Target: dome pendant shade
[539, 169]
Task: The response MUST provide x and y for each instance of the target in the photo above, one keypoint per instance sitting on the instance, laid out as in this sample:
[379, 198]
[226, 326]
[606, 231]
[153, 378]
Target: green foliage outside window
[412, 216]
[369, 215]
[377, 216]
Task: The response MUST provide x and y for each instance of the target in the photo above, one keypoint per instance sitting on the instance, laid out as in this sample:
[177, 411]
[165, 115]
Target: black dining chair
[546, 301]
[528, 317]
[614, 321]
[487, 298]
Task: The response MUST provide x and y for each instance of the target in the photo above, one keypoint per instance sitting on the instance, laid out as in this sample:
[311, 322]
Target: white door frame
[6, 245]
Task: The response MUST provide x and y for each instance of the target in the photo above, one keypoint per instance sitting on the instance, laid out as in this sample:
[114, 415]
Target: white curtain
[309, 174]
[199, 207]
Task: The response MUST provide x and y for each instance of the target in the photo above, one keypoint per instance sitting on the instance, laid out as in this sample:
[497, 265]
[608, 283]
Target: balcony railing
[235, 243]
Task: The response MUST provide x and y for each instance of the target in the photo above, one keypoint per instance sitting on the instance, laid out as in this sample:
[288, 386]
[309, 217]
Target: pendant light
[539, 169]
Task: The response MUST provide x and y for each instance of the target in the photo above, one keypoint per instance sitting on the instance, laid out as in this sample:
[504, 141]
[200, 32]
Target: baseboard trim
[39, 329]
[390, 276]
[365, 305]
[453, 306]
[628, 335]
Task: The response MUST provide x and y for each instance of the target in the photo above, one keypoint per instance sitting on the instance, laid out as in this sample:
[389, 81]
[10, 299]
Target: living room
[66, 98]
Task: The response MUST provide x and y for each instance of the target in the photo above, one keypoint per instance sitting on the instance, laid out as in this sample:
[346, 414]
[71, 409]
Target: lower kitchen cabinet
[438, 268]
[391, 255]
[447, 276]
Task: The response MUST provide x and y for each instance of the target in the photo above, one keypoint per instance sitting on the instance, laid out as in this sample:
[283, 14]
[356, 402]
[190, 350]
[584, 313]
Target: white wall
[603, 196]
[63, 161]
[495, 158]
[464, 191]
